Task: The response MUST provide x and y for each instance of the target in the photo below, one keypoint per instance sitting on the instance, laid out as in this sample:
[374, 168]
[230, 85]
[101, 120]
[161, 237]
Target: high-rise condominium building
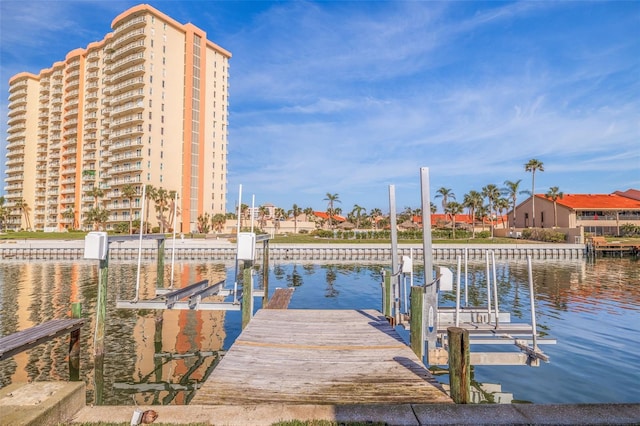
[144, 107]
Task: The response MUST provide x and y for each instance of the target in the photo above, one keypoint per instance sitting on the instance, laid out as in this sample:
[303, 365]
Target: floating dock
[336, 357]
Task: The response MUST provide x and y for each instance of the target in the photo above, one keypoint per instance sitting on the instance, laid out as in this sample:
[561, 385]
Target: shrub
[545, 235]
[483, 234]
[629, 230]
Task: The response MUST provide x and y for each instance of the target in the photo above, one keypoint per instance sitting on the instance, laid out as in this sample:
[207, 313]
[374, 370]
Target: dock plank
[280, 299]
[26, 339]
[319, 357]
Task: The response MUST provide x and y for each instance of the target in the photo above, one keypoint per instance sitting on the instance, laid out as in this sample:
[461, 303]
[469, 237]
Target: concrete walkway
[54, 403]
[396, 414]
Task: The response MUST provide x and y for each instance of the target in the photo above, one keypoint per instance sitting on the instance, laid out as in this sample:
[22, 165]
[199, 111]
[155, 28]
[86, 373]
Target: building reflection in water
[152, 356]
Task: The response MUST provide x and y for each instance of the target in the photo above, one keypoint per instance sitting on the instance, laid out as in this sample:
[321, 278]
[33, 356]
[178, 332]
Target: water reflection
[159, 357]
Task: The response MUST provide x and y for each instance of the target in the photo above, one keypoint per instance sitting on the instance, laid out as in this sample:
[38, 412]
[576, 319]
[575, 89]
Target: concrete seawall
[223, 250]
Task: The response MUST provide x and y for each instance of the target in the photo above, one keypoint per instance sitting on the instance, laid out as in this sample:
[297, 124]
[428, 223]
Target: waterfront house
[598, 214]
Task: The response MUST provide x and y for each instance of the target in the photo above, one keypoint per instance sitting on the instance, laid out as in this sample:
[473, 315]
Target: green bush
[483, 234]
[629, 230]
[545, 235]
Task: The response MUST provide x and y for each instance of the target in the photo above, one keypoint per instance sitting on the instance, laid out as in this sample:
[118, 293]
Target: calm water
[593, 309]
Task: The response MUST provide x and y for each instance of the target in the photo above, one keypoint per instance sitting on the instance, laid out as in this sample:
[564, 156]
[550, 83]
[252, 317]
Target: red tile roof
[595, 201]
[324, 215]
[629, 193]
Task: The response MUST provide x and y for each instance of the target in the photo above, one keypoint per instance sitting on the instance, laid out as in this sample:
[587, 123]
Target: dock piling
[459, 365]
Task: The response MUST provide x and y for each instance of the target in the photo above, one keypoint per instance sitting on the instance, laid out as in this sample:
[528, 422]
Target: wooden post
[101, 307]
[387, 294]
[74, 345]
[459, 366]
[265, 272]
[417, 321]
[160, 264]
[247, 296]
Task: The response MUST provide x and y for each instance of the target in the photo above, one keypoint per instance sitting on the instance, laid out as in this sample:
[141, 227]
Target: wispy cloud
[349, 97]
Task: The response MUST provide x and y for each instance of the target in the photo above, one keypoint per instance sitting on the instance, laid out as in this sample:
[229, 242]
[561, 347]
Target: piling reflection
[156, 357]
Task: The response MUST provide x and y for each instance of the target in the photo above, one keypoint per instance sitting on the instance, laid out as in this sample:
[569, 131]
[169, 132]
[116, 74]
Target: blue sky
[350, 97]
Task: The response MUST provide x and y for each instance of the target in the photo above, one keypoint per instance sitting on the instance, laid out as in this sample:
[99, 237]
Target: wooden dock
[320, 357]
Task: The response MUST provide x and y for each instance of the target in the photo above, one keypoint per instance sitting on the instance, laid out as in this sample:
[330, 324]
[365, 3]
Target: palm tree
[472, 201]
[263, 212]
[511, 190]
[96, 217]
[374, 214]
[151, 193]
[96, 193]
[295, 212]
[162, 202]
[357, 213]
[445, 193]
[129, 191]
[331, 198]
[23, 208]
[244, 212]
[4, 213]
[454, 209]
[532, 166]
[432, 208]
[492, 193]
[69, 214]
[217, 222]
[173, 208]
[553, 194]
[501, 205]
[278, 214]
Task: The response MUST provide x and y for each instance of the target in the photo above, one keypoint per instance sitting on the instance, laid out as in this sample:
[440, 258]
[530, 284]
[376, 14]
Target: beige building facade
[596, 214]
[147, 106]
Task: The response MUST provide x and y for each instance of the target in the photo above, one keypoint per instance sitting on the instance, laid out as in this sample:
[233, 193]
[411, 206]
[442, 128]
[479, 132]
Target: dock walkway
[320, 357]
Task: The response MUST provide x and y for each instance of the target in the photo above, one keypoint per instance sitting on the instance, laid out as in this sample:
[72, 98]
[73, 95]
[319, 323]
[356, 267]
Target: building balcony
[125, 169]
[132, 83]
[70, 134]
[15, 178]
[17, 103]
[17, 127]
[72, 103]
[16, 111]
[124, 38]
[16, 139]
[21, 93]
[128, 108]
[15, 169]
[13, 161]
[17, 119]
[73, 74]
[125, 144]
[70, 123]
[126, 62]
[16, 153]
[127, 74]
[17, 85]
[138, 21]
[127, 156]
[132, 95]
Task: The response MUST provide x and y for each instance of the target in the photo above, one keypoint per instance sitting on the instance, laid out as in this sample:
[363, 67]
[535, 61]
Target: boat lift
[193, 296]
[486, 325]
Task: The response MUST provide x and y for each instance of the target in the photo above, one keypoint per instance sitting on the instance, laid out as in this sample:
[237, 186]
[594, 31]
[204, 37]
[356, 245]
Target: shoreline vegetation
[293, 239]
[299, 238]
